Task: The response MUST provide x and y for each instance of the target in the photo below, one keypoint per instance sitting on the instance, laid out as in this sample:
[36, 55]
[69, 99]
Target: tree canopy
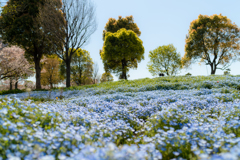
[212, 39]
[13, 65]
[164, 59]
[20, 25]
[81, 67]
[122, 50]
[50, 72]
[114, 25]
[106, 77]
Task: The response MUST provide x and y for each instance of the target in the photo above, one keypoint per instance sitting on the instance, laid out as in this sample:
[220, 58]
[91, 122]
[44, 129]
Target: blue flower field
[162, 118]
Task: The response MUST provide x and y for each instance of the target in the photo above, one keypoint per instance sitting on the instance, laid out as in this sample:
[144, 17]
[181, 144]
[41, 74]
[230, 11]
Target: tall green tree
[20, 25]
[214, 40]
[81, 67]
[164, 59]
[122, 50]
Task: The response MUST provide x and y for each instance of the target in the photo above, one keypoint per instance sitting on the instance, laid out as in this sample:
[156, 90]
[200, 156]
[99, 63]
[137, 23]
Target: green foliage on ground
[11, 91]
[168, 82]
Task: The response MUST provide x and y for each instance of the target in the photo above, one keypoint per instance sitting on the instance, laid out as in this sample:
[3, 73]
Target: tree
[98, 79]
[106, 77]
[164, 59]
[81, 67]
[212, 39]
[29, 84]
[7, 63]
[87, 75]
[13, 65]
[122, 50]
[77, 25]
[23, 73]
[114, 25]
[95, 72]
[20, 25]
[50, 73]
[2, 45]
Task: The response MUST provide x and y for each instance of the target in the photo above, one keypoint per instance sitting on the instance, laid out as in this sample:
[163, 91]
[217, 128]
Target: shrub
[226, 73]
[207, 85]
[238, 87]
[11, 91]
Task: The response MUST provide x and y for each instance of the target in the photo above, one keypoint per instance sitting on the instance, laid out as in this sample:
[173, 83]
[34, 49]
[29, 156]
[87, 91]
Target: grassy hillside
[165, 83]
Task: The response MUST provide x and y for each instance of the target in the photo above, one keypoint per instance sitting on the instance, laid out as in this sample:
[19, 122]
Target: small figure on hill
[161, 74]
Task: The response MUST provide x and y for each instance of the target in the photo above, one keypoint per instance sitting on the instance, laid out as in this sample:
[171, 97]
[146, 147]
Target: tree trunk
[124, 74]
[16, 85]
[167, 73]
[80, 77]
[213, 69]
[68, 73]
[38, 72]
[51, 82]
[10, 84]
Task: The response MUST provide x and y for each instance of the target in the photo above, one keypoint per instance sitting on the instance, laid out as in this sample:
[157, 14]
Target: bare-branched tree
[95, 72]
[73, 27]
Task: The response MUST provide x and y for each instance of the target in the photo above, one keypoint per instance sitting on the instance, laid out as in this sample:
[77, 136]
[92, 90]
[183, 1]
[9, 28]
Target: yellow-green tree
[50, 73]
[106, 77]
[164, 59]
[121, 51]
[114, 25]
[81, 67]
[212, 39]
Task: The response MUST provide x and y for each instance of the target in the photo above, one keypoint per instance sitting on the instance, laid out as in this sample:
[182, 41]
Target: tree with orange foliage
[214, 40]
[50, 73]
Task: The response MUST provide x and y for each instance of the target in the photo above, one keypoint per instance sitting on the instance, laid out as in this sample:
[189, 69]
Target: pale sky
[161, 22]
